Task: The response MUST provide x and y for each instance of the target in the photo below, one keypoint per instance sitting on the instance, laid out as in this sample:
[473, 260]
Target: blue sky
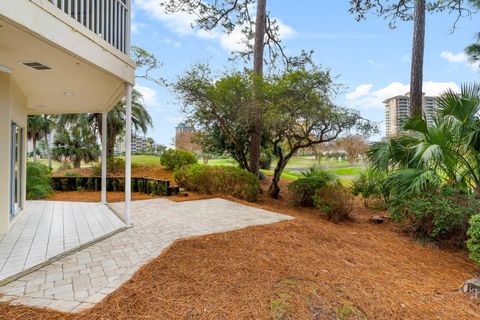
[370, 59]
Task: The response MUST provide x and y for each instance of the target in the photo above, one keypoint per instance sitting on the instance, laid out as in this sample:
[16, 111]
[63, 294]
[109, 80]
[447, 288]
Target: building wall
[12, 109]
[67, 33]
[184, 140]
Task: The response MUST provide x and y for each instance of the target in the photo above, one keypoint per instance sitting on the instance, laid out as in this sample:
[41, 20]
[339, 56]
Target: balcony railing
[109, 19]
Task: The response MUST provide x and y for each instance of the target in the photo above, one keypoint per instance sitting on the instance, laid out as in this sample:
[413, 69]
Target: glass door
[16, 161]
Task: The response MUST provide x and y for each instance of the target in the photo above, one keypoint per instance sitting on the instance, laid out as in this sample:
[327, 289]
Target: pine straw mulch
[307, 268]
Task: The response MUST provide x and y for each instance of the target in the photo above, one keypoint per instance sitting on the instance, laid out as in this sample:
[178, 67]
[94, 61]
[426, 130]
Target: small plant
[38, 181]
[65, 165]
[335, 200]
[218, 179]
[303, 189]
[113, 165]
[266, 158]
[371, 185]
[473, 243]
[174, 159]
[71, 174]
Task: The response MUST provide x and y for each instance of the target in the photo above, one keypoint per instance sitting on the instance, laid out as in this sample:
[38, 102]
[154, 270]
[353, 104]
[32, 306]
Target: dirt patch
[151, 171]
[307, 268]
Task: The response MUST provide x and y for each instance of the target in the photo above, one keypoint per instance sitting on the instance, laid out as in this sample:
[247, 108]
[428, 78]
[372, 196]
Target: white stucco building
[58, 56]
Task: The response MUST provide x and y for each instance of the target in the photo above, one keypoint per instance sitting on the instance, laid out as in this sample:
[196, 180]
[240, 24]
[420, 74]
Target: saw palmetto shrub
[38, 181]
[437, 216]
[218, 179]
[303, 189]
[335, 201]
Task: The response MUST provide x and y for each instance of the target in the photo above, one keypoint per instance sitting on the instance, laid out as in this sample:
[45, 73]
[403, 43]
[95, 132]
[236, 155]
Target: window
[16, 161]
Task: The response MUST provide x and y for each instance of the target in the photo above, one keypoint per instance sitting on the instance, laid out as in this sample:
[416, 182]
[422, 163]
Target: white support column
[128, 154]
[104, 157]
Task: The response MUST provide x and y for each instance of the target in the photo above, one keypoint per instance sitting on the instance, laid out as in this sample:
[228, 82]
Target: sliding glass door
[16, 160]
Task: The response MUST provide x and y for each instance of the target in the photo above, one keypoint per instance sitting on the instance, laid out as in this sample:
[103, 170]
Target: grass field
[349, 171]
[295, 163]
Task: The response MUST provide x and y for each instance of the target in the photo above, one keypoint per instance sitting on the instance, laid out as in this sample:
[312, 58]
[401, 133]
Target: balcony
[109, 19]
[67, 56]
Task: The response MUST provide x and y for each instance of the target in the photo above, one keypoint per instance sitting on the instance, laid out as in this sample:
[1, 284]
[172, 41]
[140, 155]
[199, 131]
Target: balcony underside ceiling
[70, 86]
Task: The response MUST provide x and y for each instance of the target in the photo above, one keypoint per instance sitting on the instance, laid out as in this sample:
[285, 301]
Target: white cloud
[150, 97]
[452, 57]
[181, 24]
[459, 58]
[365, 98]
[360, 91]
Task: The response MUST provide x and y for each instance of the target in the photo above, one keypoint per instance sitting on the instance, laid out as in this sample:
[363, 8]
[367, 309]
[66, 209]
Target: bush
[218, 179]
[335, 201]
[266, 158]
[113, 164]
[38, 181]
[473, 242]
[303, 189]
[174, 159]
[370, 184]
[441, 216]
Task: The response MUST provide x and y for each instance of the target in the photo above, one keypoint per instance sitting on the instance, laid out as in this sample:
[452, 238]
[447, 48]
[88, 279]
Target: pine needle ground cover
[307, 268]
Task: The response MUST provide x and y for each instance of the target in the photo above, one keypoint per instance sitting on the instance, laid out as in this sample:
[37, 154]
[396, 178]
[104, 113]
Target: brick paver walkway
[86, 277]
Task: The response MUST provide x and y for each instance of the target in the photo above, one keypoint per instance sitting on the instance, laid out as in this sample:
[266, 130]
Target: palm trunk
[418, 48]
[47, 147]
[34, 142]
[256, 135]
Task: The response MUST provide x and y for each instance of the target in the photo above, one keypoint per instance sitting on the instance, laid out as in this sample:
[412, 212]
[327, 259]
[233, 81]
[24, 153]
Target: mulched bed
[307, 268]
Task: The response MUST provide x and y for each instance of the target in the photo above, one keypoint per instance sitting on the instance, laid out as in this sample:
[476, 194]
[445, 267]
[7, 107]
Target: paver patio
[86, 277]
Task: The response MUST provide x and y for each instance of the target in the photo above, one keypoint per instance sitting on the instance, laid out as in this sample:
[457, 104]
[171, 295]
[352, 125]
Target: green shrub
[218, 179]
[303, 189]
[113, 164]
[370, 184]
[174, 159]
[266, 158]
[473, 242]
[441, 216]
[38, 181]
[335, 201]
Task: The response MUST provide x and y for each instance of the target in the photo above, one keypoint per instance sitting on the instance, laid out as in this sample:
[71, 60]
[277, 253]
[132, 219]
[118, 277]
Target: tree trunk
[34, 142]
[76, 163]
[256, 135]
[274, 188]
[418, 48]
[47, 148]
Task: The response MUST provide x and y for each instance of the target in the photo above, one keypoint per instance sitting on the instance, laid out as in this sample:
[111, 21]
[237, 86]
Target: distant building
[184, 135]
[397, 109]
[139, 144]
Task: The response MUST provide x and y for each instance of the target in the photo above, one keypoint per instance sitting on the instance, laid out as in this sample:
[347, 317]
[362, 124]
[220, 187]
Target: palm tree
[76, 143]
[445, 153]
[418, 49]
[115, 120]
[34, 132]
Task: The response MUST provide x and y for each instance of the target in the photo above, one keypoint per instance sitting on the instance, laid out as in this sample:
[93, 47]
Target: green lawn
[349, 171]
[219, 162]
[287, 175]
[144, 160]
[307, 162]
